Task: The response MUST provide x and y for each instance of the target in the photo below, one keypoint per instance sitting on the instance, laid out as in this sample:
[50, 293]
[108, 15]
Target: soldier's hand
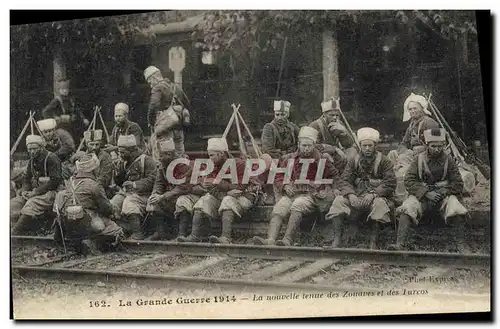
[154, 198]
[198, 190]
[128, 186]
[235, 193]
[367, 200]
[336, 193]
[289, 190]
[354, 200]
[27, 194]
[433, 196]
[208, 183]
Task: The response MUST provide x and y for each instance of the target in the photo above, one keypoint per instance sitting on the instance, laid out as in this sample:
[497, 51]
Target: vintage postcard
[249, 164]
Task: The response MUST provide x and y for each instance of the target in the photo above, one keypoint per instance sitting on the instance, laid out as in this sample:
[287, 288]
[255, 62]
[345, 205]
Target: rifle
[457, 144]
[349, 130]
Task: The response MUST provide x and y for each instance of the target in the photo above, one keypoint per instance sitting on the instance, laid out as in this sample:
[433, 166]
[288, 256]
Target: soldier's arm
[67, 145]
[105, 170]
[120, 175]
[139, 136]
[345, 140]
[406, 138]
[388, 185]
[320, 140]
[54, 172]
[181, 171]
[413, 184]
[346, 182]
[49, 111]
[27, 179]
[268, 142]
[160, 185]
[145, 185]
[154, 103]
[455, 181]
[105, 206]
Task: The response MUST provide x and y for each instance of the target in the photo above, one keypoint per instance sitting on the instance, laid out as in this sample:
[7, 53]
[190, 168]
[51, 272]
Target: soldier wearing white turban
[135, 174]
[279, 137]
[434, 184]
[366, 187]
[93, 142]
[123, 126]
[85, 211]
[42, 178]
[229, 198]
[297, 199]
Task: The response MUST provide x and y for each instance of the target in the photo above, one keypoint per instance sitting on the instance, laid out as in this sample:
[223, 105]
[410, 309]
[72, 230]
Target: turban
[93, 135]
[332, 104]
[435, 135]
[47, 124]
[87, 163]
[121, 108]
[217, 144]
[150, 71]
[309, 132]
[417, 99]
[127, 141]
[166, 145]
[368, 134]
[282, 106]
[35, 139]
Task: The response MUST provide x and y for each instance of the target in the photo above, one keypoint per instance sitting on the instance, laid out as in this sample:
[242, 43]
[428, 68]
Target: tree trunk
[331, 83]
[59, 69]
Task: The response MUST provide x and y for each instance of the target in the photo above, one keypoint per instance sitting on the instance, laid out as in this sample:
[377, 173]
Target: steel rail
[400, 258]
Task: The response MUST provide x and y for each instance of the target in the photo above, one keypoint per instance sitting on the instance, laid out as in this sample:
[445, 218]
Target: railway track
[198, 264]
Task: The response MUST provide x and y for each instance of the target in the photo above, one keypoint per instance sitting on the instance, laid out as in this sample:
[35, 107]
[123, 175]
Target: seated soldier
[204, 201]
[162, 201]
[135, 173]
[123, 126]
[300, 197]
[367, 187]
[333, 134]
[42, 178]
[279, 137]
[434, 184]
[84, 211]
[93, 142]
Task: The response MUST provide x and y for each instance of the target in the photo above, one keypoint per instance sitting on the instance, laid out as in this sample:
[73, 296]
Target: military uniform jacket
[129, 128]
[46, 164]
[326, 137]
[278, 140]
[61, 145]
[89, 194]
[363, 175]
[161, 98]
[441, 169]
[162, 185]
[143, 176]
[105, 169]
[414, 135]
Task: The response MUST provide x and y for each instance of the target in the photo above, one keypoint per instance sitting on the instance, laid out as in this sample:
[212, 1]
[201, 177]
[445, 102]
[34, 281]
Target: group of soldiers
[124, 189]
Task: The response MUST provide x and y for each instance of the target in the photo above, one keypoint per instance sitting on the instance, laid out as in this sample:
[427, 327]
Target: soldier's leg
[455, 214]
[380, 210]
[16, 204]
[184, 209]
[230, 209]
[281, 210]
[161, 218]
[204, 210]
[134, 208]
[339, 211]
[301, 206]
[34, 207]
[407, 214]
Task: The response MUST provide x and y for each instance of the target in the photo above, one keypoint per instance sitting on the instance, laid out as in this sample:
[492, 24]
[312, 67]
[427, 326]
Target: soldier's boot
[374, 234]
[272, 233]
[184, 218]
[338, 226]
[291, 229]
[404, 224]
[135, 227]
[89, 247]
[21, 224]
[227, 228]
[459, 233]
[159, 233]
[200, 228]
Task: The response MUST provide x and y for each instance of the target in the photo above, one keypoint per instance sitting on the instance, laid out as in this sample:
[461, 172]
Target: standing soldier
[367, 187]
[123, 126]
[279, 137]
[135, 173]
[162, 201]
[204, 201]
[165, 95]
[84, 211]
[434, 184]
[334, 134]
[43, 176]
[62, 108]
[300, 198]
